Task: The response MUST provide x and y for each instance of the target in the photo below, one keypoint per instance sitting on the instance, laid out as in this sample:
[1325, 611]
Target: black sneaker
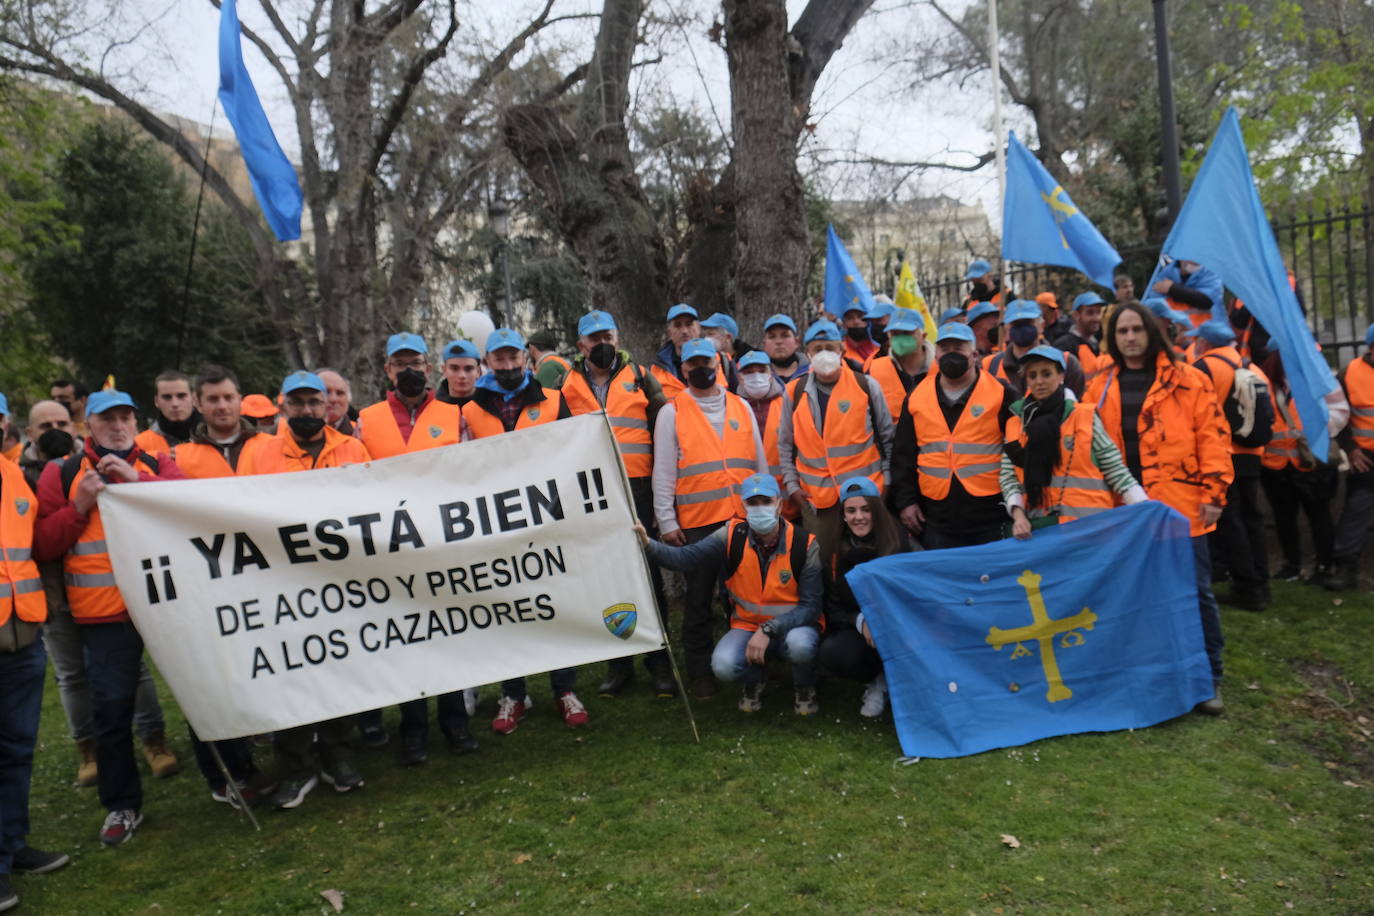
[414, 750]
[664, 685]
[292, 791]
[30, 861]
[1288, 574]
[341, 774]
[374, 735]
[461, 741]
[8, 898]
[615, 682]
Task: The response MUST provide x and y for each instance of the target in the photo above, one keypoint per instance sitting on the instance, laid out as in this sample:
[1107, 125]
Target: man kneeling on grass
[772, 571]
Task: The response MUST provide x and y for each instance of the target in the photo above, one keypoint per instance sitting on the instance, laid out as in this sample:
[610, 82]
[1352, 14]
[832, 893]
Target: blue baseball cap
[1216, 332]
[1048, 353]
[682, 308]
[880, 310]
[780, 319]
[592, 322]
[976, 269]
[905, 320]
[759, 485]
[980, 310]
[753, 358]
[858, 486]
[1021, 310]
[103, 400]
[309, 380]
[822, 330]
[501, 338]
[457, 349]
[1369, 336]
[5, 405]
[1088, 298]
[955, 331]
[698, 347]
[722, 321]
[405, 341]
[1161, 308]
[948, 315]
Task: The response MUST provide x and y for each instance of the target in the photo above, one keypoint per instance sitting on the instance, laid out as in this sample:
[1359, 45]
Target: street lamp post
[500, 224]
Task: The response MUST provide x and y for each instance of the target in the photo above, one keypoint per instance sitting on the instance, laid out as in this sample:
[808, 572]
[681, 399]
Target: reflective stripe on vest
[1281, 450]
[1076, 488]
[21, 588]
[845, 446]
[437, 424]
[964, 451]
[91, 590]
[1359, 384]
[711, 467]
[759, 596]
[627, 410]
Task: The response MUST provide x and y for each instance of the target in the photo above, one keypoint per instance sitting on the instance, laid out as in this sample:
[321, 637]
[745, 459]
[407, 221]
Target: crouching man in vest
[772, 570]
[69, 524]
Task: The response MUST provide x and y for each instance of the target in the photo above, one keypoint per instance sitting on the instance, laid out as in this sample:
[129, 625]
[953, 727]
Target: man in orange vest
[261, 412]
[667, 365]
[22, 612]
[506, 399]
[604, 377]
[1357, 439]
[772, 572]
[548, 367]
[410, 419]
[947, 450]
[176, 414]
[909, 358]
[69, 525]
[1081, 339]
[217, 444]
[783, 347]
[462, 367]
[840, 428]
[1025, 330]
[706, 442]
[859, 344]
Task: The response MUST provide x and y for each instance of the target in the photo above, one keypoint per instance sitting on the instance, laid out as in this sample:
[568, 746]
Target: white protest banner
[284, 599]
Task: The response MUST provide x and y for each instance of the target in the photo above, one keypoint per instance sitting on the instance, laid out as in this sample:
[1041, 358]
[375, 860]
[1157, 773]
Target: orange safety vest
[972, 451]
[153, 442]
[12, 454]
[1359, 384]
[855, 350]
[1077, 488]
[760, 595]
[845, 446]
[282, 453]
[711, 467]
[672, 385]
[199, 461]
[1221, 367]
[771, 451]
[627, 410]
[89, 576]
[482, 424]
[1089, 360]
[21, 588]
[437, 424]
[1282, 450]
[885, 372]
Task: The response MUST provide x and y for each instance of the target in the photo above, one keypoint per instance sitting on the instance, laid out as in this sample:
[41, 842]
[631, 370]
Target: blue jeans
[798, 647]
[1207, 605]
[114, 655]
[21, 699]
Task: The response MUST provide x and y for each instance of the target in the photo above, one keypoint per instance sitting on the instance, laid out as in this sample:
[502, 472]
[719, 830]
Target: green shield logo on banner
[620, 620]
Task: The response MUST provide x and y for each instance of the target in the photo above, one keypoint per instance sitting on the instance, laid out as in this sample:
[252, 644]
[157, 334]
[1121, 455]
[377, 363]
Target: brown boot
[86, 772]
[160, 759]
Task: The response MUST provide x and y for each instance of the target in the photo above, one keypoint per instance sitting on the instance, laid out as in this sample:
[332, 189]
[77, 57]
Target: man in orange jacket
[176, 414]
[1163, 416]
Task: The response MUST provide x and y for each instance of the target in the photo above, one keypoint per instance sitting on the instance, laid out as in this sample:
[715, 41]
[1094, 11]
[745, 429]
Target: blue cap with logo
[780, 320]
[759, 485]
[955, 331]
[1161, 308]
[698, 347]
[1047, 353]
[1021, 310]
[880, 310]
[595, 321]
[502, 338]
[1369, 336]
[722, 321]
[858, 486]
[980, 310]
[681, 309]
[4, 405]
[753, 358]
[1217, 332]
[822, 330]
[976, 269]
[905, 320]
[954, 314]
[405, 341]
[1088, 298]
[303, 380]
[460, 349]
[103, 400]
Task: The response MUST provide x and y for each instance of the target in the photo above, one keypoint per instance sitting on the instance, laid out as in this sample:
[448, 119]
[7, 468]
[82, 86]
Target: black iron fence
[1331, 254]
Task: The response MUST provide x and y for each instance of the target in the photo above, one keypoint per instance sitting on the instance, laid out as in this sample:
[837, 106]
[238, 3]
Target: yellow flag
[909, 297]
[109, 383]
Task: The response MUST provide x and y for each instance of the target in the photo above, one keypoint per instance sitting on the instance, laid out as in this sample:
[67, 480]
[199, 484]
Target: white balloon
[476, 326]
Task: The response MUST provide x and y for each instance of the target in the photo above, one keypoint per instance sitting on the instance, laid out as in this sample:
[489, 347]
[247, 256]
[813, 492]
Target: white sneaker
[875, 697]
[751, 700]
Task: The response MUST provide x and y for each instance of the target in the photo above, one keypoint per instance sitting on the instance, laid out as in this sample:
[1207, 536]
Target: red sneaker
[574, 713]
[509, 712]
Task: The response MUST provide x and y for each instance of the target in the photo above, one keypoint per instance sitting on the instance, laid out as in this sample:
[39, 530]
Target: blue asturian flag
[1089, 626]
[273, 177]
[1223, 226]
[1041, 225]
[845, 288]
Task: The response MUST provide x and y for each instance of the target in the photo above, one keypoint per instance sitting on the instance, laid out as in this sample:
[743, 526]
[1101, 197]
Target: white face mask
[826, 363]
[755, 384]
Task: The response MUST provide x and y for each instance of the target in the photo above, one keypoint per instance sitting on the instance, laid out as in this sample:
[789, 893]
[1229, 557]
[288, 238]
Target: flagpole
[998, 140]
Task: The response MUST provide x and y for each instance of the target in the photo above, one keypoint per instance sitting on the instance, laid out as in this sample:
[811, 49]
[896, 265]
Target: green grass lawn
[1267, 808]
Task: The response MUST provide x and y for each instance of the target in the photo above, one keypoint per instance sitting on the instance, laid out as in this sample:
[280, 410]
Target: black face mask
[602, 356]
[953, 365]
[860, 333]
[879, 335]
[178, 429]
[55, 443]
[410, 383]
[1023, 335]
[993, 333]
[701, 378]
[509, 379]
[305, 428]
[783, 361]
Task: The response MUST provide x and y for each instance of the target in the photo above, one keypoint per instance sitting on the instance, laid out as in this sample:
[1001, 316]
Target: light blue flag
[845, 288]
[1041, 225]
[1088, 626]
[1223, 226]
[273, 177]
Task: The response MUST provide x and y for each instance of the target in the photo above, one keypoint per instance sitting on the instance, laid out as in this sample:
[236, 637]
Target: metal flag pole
[232, 785]
[195, 233]
[999, 135]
